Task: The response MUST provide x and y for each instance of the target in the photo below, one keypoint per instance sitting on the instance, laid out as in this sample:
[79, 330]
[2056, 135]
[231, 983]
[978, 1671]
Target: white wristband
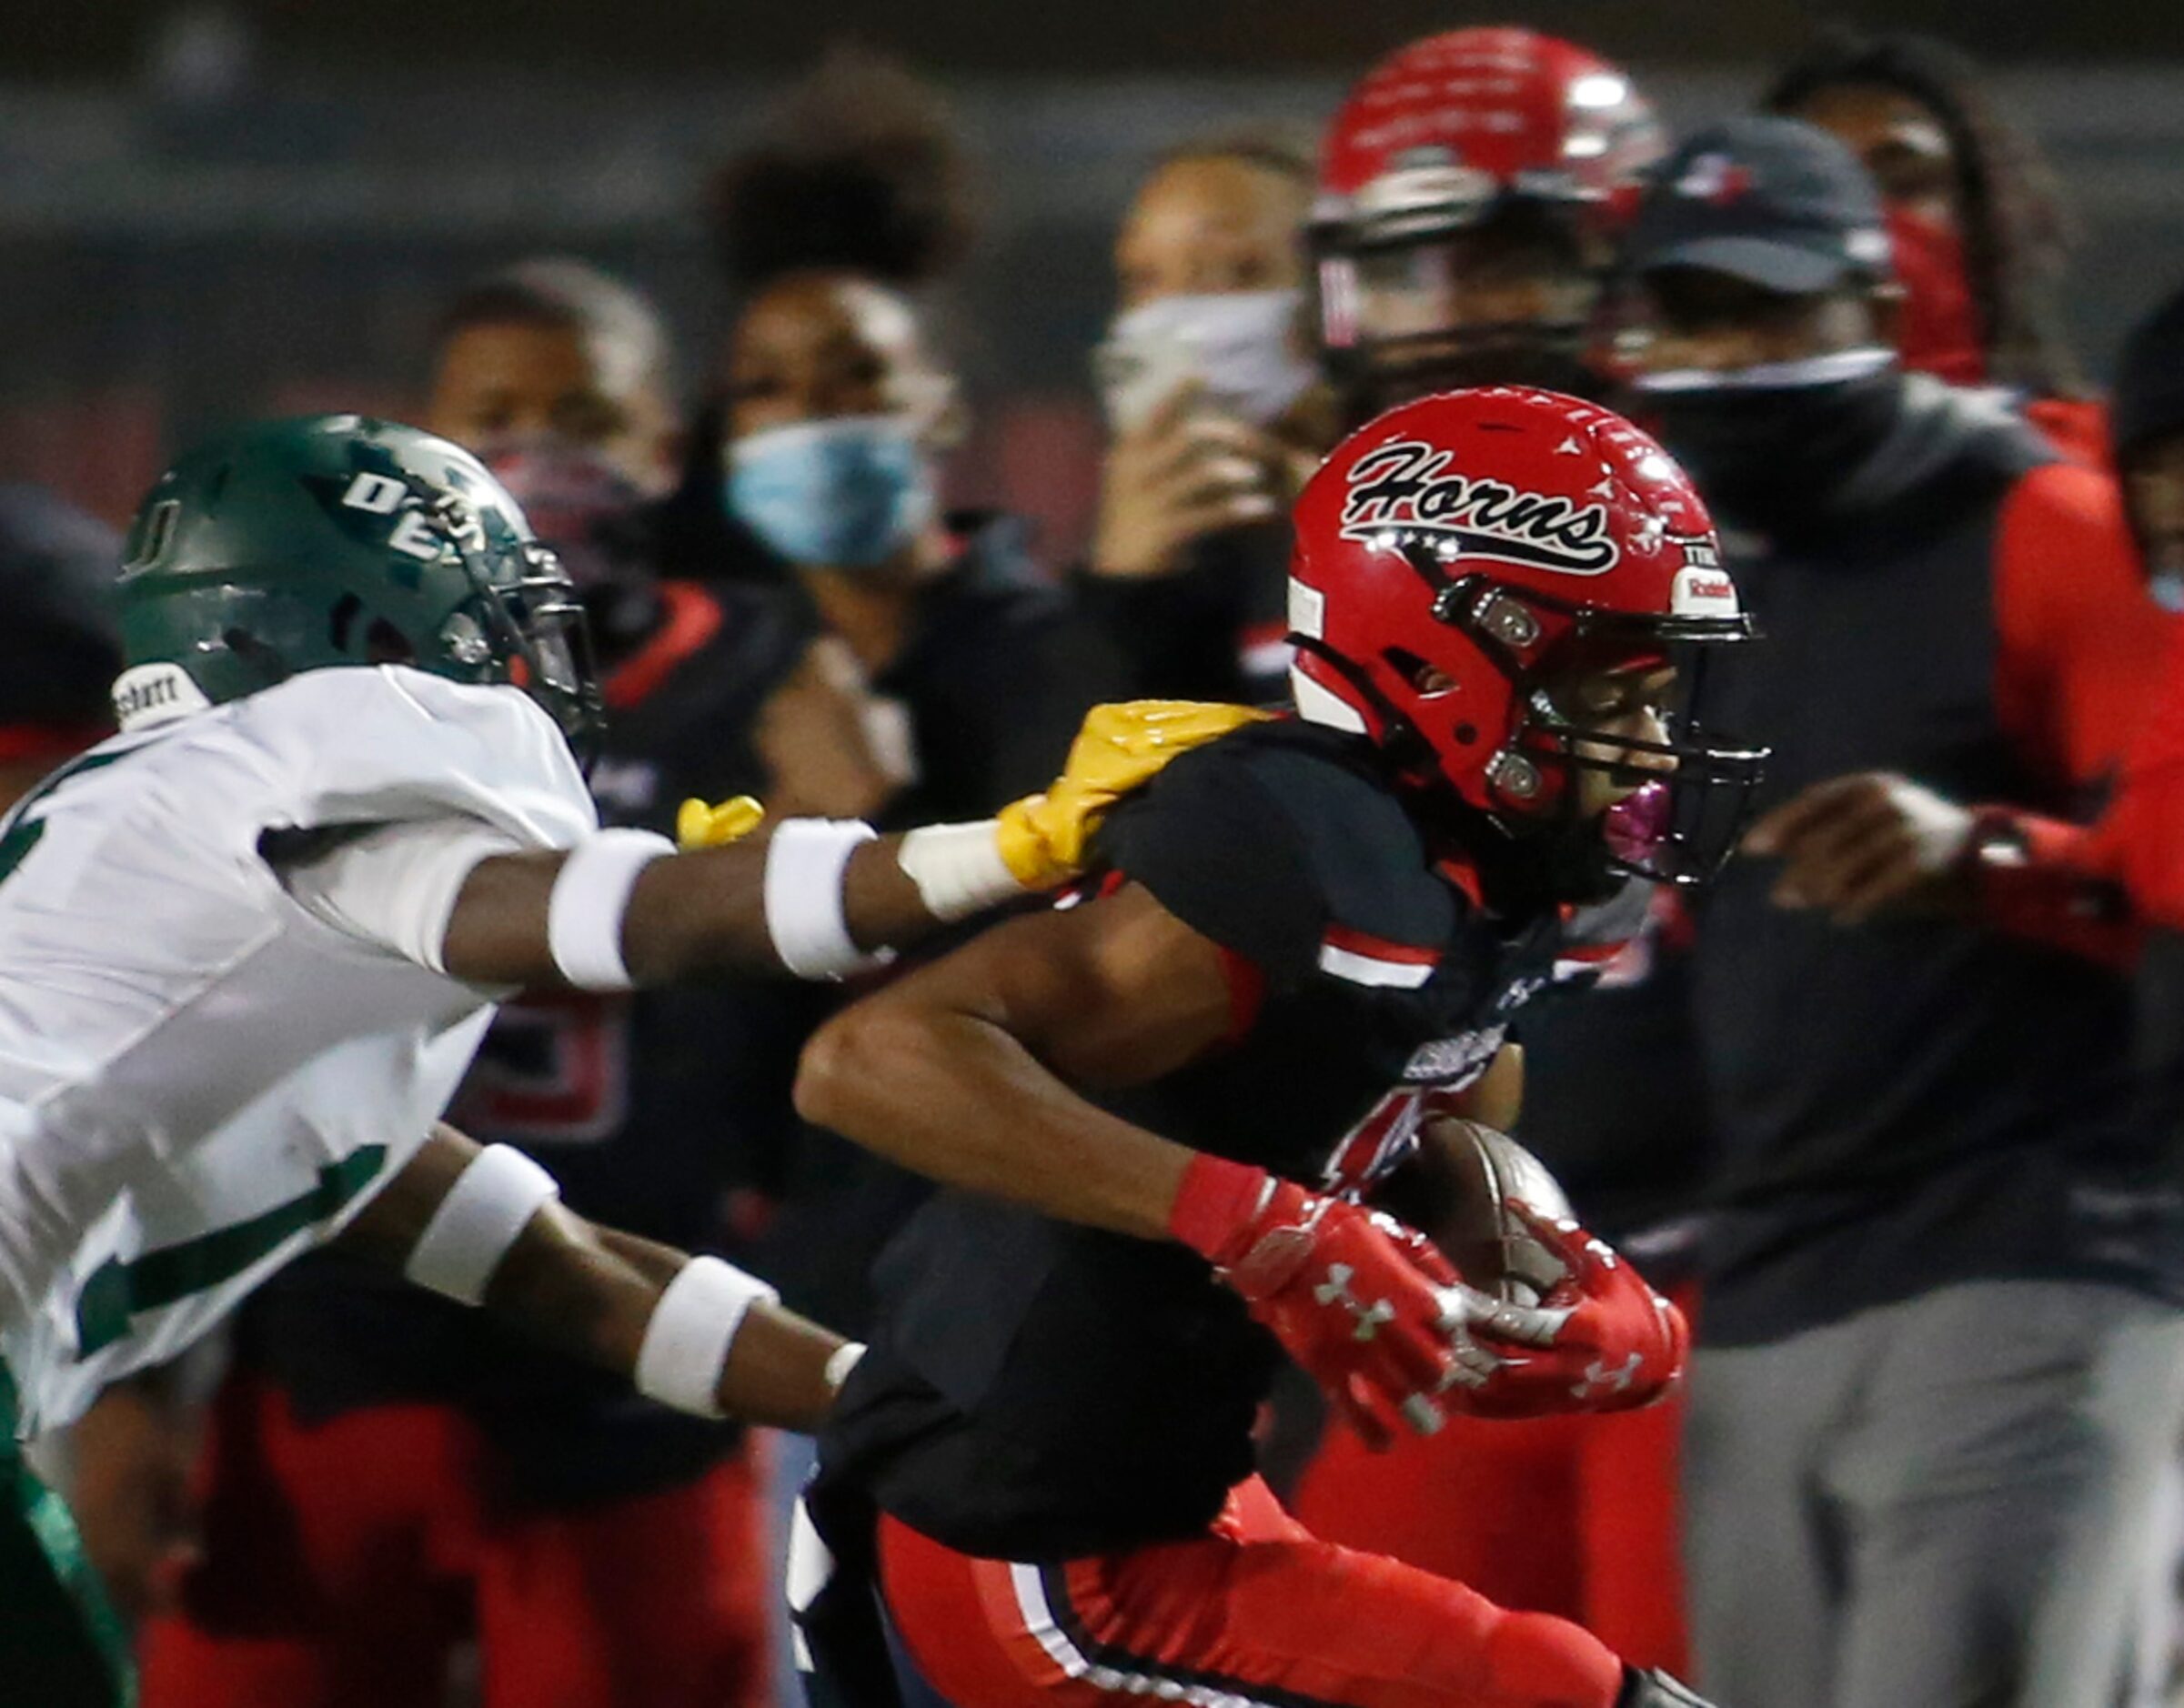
[958, 868]
[693, 1326]
[805, 863]
[590, 894]
[490, 1203]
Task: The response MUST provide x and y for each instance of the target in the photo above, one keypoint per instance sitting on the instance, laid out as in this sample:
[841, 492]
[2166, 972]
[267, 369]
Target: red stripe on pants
[1257, 1602]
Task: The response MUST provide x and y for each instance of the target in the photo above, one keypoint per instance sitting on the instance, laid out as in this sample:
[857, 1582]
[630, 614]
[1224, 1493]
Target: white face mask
[1236, 343]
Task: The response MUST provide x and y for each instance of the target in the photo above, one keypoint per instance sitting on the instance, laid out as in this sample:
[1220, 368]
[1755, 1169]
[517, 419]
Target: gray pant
[1944, 1503]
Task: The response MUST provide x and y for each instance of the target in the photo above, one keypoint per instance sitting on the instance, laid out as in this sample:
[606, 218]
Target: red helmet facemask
[1462, 559]
[1489, 165]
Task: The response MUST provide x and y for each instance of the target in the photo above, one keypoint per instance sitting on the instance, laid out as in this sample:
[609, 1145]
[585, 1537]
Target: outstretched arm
[685, 913]
[813, 895]
[596, 1293]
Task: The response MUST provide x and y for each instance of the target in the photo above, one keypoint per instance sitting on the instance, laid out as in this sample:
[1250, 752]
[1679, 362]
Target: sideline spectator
[1209, 394]
[859, 167]
[1978, 233]
[1942, 1362]
[1474, 188]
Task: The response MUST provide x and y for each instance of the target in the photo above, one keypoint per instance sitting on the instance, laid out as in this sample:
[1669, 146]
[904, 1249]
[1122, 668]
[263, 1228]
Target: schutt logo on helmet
[1408, 486]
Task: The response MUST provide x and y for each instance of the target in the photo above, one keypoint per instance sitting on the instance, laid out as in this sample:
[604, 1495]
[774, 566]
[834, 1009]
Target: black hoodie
[1919, 1100]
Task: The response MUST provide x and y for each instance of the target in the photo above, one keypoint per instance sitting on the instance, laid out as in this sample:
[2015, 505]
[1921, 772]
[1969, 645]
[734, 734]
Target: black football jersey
[1040, 1390]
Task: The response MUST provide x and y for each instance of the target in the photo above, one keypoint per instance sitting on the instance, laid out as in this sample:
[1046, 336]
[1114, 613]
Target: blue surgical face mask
[846, 493]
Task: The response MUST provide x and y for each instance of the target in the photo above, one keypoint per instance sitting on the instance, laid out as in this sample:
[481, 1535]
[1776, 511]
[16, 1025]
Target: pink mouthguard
[1636, 827]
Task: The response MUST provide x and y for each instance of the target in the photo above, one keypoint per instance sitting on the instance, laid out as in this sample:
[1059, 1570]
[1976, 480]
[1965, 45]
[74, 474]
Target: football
[1480, 1170]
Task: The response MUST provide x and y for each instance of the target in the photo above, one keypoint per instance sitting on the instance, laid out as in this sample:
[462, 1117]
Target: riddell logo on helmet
[1407, 488]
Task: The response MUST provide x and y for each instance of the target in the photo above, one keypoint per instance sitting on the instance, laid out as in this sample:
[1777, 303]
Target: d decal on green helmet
[339, 541]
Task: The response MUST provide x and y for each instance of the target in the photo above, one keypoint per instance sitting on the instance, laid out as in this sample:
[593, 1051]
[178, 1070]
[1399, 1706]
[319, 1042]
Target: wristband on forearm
[590, 894]
[692, 1329]
[472, 1227]
[842, 1361]
[806, 863]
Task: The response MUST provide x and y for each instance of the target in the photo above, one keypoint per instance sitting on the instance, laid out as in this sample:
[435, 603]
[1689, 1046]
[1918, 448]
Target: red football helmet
[1460, 556]
[1473, 134]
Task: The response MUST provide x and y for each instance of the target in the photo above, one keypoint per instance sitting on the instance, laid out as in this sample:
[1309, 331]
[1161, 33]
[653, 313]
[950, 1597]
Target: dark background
[207, 212]
[677, 37]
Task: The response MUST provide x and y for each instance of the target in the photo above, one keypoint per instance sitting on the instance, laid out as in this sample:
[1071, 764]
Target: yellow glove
[1119, 749]
[698, 825]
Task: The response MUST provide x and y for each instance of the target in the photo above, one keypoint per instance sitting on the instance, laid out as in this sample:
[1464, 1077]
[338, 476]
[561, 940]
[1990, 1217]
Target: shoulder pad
[380, 745]
[1279, 843]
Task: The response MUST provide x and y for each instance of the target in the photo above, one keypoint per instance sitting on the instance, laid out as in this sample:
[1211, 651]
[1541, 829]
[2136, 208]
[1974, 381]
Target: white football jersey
[199, 1077]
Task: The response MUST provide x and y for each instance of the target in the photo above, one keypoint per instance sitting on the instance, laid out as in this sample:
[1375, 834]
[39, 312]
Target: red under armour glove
[1601, 1340]
[1356, 1298]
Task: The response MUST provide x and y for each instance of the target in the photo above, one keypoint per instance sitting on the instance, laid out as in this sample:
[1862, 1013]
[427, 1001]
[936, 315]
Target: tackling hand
[1120, 748]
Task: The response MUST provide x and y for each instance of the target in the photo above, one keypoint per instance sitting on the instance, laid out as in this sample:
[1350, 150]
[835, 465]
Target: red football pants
[1258, 1609]
[344, 1560]
[1579, 1516]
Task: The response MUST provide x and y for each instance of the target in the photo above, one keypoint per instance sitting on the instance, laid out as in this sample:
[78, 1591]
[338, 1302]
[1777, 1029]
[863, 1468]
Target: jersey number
[21, 830]
[554, 1069]
[1372, 1150]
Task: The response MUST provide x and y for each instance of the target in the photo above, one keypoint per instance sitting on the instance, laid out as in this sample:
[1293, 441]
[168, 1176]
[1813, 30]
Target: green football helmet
[328, 540]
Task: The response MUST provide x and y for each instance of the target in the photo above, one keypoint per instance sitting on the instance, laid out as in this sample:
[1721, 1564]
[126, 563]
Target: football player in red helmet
[1169, 1118]
[1471, 189]
[1451, 615]
[1475, 191]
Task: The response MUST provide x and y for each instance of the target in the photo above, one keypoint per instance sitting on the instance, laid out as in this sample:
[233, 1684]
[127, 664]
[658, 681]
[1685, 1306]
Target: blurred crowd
[1893, 1106]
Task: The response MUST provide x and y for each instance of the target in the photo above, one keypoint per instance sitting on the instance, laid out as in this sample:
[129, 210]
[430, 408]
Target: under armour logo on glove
[1600, 1340]
[1600, 1379]
[1356, 1298]
[1336, 1289]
